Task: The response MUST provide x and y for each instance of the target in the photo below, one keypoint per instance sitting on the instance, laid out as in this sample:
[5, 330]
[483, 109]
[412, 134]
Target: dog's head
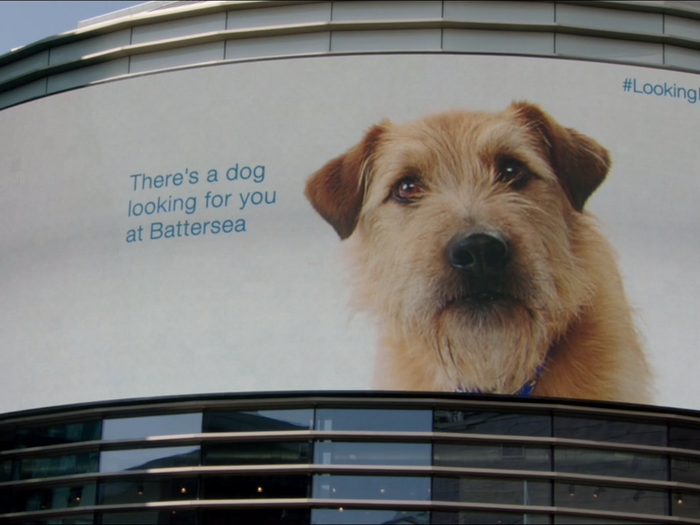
[466, 217]
[337, 191]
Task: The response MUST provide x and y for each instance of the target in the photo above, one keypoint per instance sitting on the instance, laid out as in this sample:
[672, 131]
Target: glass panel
[78, 519]
[175, 517]
[77, 50]
[251, 487]
[86, 75]
[618, 431]
[7, 439]
[685, 470]
[361, 453]
[5, 470]
[493, 490]
[613, 19]
[608, 48]
[371, 487]
[280, 15]
[373, 420]
[124, 491]
[25, 65]
[498, 41]
[257, 453]
[45, 467]
[148, 458]
[141, 427]
[605, 498]
[578, 520]
[5, 499]
[506, 456]
[178, 28]
[54, 498]
[58, 434]
[685, 504]
[610, 463]
[255, 516]
[22, 93]
[386, 10]
[278, 45]
[488, 518]
[492, 423]
[389, 40]
[258, 420]
[674, 25]
[682, 436]
[682, 57]
[503, 11]
[362, 516]
[183, 56]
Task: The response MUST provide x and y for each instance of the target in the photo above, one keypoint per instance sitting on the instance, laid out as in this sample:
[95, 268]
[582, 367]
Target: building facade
[177, 341]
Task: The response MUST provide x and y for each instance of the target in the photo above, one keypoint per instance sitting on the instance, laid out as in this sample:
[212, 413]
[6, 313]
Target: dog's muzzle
[480, 257]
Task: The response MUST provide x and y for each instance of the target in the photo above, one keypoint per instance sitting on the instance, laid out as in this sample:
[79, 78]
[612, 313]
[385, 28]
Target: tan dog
[470, 245]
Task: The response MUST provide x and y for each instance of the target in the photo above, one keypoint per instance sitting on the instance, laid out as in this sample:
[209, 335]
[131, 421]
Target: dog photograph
[468, 242]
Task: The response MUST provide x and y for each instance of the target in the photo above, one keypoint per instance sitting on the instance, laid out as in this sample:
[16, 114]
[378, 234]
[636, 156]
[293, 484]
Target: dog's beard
[456, 335]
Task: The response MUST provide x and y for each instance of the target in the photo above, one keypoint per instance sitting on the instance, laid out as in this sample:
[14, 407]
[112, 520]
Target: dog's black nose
[478, 255]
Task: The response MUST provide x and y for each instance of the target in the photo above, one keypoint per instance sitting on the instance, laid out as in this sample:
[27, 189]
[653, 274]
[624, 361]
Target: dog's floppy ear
[337, 190]
[579, 162]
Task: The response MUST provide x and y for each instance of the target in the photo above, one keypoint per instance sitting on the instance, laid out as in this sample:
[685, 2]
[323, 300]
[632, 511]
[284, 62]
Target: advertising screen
[397, 222]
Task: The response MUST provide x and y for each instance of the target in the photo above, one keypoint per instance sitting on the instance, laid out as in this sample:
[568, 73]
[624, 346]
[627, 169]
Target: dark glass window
[251, 487]
[371, 487]
[53, 498]
[256, 453]
[365, 516]
[606, 498]
[365, 419]
[46, 467]
[617, 431]
[258, 420]
[7, 439]
[685, 470]
[361, 453]
[145, 426]
[147, 458]
[173, 517]
[684, 436]
[492, 423]
[610, 463]
[487, 518]
[125, 491]
[493, 490]
[685, 504]
[5, 470]
[485, 455]
[585, 520]
[45, 436]
[77, 519]
[269, 516]
[5, 499]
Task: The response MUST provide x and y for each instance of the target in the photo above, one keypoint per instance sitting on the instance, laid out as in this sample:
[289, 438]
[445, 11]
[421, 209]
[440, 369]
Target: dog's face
[464, 229]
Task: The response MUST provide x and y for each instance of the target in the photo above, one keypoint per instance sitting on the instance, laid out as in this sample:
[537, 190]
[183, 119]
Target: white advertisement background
[86, 316]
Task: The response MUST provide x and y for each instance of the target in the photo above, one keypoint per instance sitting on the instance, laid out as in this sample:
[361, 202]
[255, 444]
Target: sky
[25, 22]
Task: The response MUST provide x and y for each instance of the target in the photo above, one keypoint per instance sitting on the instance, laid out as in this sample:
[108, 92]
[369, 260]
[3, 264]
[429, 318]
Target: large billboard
[406, 222]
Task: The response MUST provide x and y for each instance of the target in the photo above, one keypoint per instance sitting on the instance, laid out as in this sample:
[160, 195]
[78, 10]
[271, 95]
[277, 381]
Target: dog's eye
[407, 190]
[513, 172]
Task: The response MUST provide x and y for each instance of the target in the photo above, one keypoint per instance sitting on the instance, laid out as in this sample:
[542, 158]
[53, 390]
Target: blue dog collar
[524, 390]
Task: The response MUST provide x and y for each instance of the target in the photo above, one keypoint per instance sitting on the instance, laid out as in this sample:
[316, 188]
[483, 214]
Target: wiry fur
[564, 301]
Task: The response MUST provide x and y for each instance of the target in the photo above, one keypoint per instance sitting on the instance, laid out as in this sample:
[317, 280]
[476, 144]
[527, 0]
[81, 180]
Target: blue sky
[25, 22]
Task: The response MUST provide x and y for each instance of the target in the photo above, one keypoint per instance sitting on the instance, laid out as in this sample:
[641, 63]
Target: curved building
[186, 340]
[350, 458]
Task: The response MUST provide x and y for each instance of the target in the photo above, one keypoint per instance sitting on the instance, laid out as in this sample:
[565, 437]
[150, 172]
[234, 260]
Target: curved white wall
[86, 315]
